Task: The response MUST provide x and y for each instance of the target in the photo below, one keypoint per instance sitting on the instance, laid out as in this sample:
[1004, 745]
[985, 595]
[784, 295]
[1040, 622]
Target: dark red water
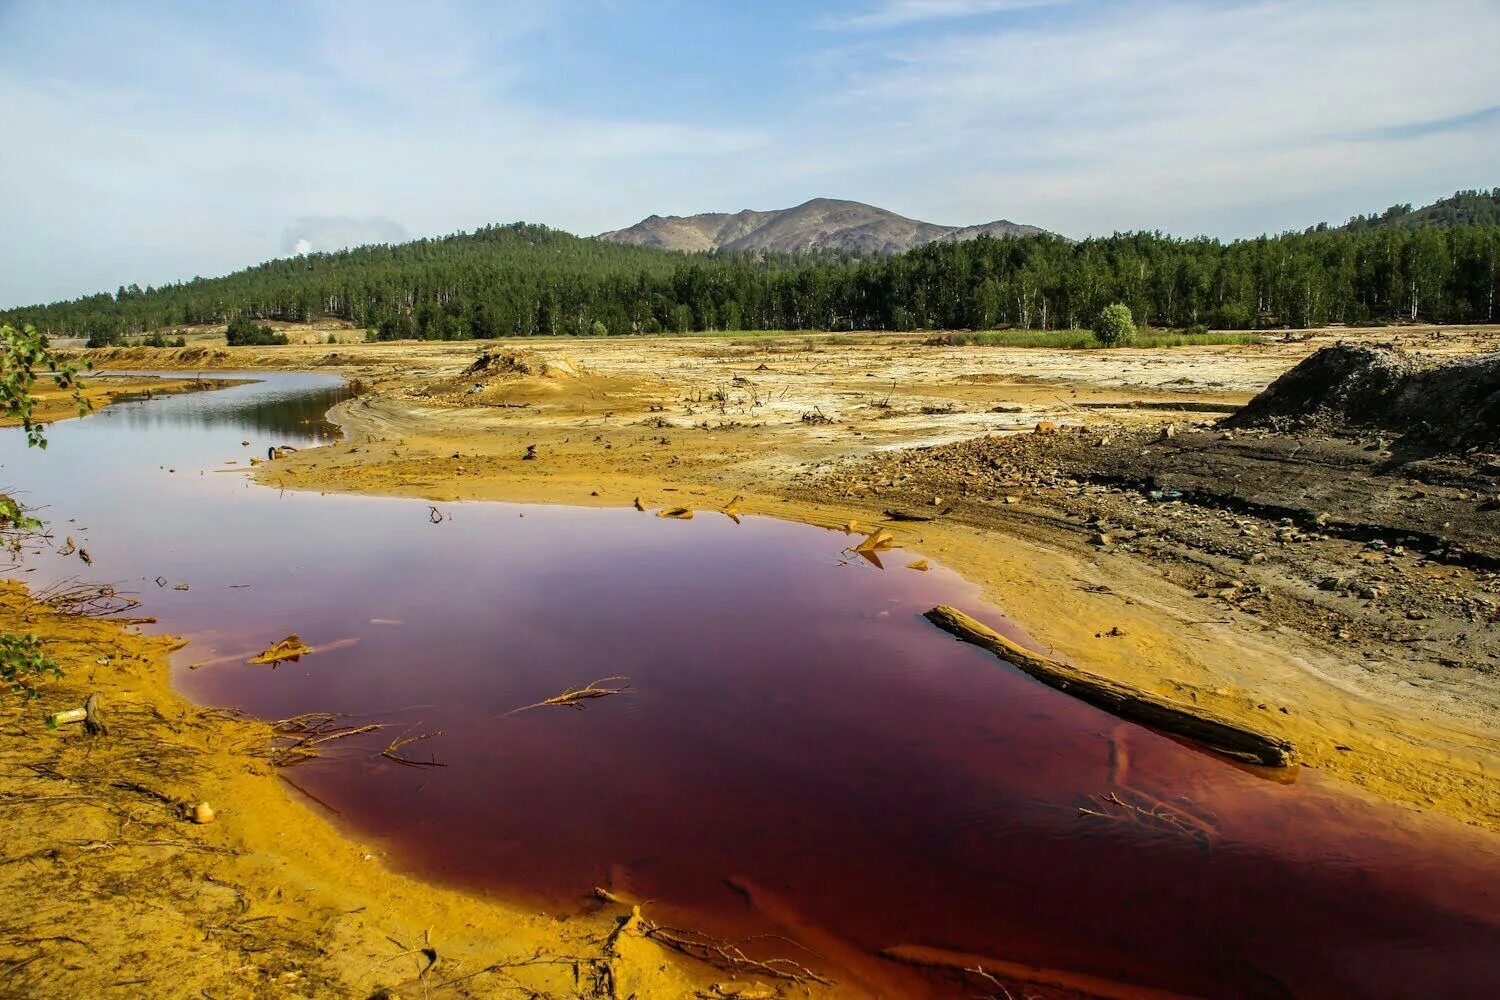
[796, 739]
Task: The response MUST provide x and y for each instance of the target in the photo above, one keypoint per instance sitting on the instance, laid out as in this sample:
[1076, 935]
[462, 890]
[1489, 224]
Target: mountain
[1463, 208]
[820, 224]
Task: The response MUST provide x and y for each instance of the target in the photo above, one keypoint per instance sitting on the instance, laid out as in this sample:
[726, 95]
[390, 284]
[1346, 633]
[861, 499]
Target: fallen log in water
[1229, 738]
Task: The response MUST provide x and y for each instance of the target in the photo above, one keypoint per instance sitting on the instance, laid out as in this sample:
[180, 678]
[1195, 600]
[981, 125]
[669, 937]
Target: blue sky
[148, 142]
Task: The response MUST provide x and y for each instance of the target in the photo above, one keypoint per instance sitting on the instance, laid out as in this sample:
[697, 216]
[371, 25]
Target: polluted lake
[751, 726]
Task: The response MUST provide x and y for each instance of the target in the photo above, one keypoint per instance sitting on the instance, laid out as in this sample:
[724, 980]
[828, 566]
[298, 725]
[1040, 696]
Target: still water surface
[793, 728]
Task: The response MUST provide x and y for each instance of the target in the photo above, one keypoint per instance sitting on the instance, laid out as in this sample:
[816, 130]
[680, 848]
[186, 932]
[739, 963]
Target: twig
[724, 954]
[396, 744]
[575, 697]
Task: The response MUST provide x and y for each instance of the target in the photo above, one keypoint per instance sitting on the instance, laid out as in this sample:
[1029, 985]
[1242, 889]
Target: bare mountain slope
[820, 224]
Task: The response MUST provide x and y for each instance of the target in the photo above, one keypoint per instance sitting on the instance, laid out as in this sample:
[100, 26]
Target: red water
[795, 739]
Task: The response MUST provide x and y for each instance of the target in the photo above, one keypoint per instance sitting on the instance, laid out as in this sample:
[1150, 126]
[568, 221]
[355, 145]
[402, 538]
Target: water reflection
[279, 405]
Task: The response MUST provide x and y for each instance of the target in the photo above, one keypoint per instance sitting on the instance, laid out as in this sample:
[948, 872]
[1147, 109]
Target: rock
[203, 813]
[1169, 431]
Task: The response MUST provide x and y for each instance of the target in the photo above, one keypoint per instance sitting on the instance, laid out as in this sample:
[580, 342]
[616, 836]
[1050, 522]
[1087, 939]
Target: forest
[523, 279]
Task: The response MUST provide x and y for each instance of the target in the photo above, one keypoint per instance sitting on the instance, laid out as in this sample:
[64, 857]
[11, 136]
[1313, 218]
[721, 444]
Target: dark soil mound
[1454, 405]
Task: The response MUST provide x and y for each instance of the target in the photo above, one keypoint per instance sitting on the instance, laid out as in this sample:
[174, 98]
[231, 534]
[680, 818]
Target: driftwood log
[1220, 735]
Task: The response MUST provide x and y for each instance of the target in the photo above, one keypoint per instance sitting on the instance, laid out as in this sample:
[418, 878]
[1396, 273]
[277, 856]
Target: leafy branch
[22, 664]
[23, 353]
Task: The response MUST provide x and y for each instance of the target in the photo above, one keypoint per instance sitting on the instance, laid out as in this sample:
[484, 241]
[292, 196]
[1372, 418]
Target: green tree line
[521, 279]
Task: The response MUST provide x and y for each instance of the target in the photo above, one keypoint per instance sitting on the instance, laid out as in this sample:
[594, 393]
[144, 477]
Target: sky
[152, 142]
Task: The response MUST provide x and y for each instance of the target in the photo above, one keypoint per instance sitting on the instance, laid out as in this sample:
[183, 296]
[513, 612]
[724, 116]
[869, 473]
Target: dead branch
[575, 697]
[299, 738]
[391, 750]
[92, 600]
[1141, 810]
[724, 954]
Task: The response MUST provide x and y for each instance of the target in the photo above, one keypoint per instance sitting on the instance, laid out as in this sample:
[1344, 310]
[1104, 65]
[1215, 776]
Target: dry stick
[396, 744]
[305, 733]
[575, 697]
[308, 794]
[1153, 814]
[728, 954]
[1229, 738]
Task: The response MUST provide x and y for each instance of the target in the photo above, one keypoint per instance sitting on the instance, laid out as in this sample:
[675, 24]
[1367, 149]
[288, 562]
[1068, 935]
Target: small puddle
[797, 747]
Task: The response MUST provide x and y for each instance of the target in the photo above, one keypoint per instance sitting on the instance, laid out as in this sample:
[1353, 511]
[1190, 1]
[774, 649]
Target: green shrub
[22, 664]
[599, 329]
[1114, 327]
[245, 332]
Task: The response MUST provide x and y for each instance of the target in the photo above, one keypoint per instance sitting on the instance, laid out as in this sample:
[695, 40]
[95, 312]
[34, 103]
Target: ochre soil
[109, 890]
[1160, 592]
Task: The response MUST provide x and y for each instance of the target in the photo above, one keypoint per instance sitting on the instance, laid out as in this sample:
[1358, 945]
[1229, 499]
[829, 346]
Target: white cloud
[1183, 115]
[147, 150]
[899, 13]
[219, 160]
[335, 232]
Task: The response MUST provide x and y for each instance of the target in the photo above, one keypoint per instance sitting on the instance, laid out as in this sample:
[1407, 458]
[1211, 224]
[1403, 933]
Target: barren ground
[1242, 574]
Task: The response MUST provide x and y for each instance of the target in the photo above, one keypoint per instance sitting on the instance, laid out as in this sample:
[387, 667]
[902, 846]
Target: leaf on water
[680, 513]
[291, 648]
[877, 541]
[919, 565]
[639, 505]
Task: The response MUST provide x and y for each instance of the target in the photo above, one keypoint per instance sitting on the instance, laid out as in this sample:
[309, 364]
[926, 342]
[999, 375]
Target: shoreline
[1044, 578]
[271, 895]
[103, 389]
[409, 437]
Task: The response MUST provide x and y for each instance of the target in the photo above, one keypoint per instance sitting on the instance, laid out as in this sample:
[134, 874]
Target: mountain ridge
[816, 225]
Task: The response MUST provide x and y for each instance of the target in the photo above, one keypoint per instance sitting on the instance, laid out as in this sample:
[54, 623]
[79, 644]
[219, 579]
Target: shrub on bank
[1114, 327]
[245, 332]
